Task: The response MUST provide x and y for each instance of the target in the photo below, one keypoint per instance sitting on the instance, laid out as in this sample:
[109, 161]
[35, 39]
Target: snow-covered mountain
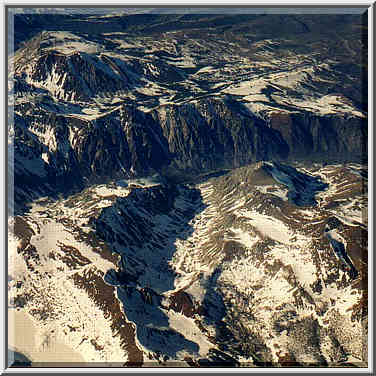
[91, 106]
[229, 271]
[190, 190]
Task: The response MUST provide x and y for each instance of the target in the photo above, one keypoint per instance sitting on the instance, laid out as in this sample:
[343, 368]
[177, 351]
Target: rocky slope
[93, 107]
[227, 272]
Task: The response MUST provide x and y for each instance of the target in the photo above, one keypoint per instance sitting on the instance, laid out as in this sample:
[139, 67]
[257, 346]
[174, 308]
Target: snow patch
[187, 327]
[266, 225]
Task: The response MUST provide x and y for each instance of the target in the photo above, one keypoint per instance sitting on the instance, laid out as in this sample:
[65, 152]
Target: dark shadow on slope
[213, 305]
[302, 187]
[152, 325]
[339, 247]
[143, 228]
[214, 311]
